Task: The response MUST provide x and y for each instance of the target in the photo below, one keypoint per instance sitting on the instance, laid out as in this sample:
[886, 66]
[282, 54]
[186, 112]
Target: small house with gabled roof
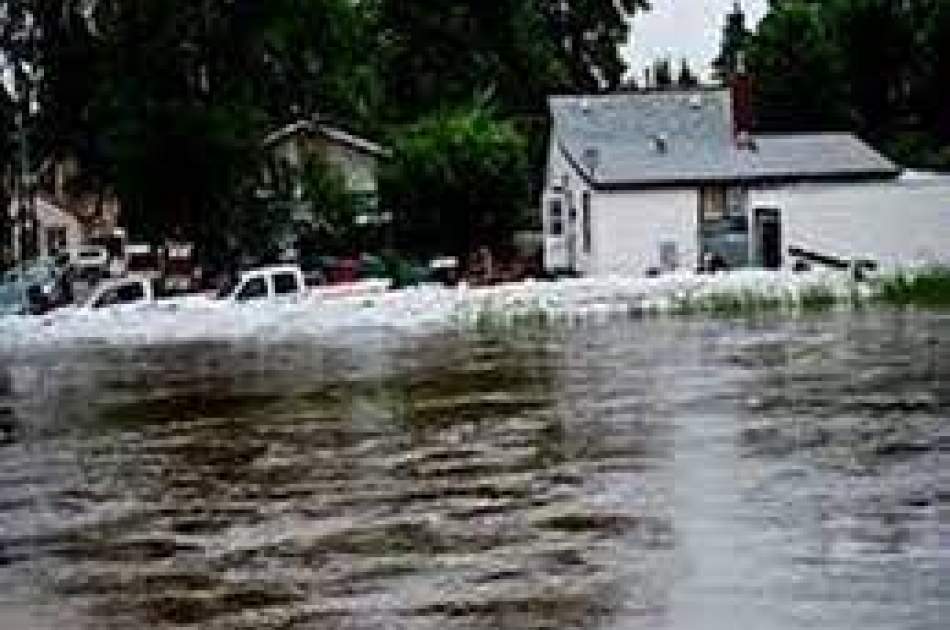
[647, 182]
[356, 158]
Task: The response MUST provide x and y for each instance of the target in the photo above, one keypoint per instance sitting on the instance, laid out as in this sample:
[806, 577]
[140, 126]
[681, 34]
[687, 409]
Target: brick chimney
[742, 119]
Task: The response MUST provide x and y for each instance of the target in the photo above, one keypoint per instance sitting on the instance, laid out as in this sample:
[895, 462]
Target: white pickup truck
[134, 292]
[121, 293]
[284, 283]
[287, 283]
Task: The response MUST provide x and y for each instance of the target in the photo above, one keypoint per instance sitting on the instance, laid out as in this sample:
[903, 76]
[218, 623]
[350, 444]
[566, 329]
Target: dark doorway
[768, 223]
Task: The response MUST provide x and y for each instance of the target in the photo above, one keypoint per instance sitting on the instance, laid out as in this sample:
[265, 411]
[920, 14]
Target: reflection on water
[657, 474]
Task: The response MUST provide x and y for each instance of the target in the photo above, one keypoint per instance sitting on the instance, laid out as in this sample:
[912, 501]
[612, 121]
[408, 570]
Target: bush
[458, 180]
[924, 287]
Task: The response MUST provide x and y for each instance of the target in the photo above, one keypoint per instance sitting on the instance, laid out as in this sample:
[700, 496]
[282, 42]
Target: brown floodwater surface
[777, 473]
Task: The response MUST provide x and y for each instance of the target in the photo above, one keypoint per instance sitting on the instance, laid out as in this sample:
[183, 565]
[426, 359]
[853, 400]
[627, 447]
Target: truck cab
[280, 282]
[124, 293]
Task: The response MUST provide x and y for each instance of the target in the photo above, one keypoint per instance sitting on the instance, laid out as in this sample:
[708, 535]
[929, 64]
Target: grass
[818, 298]
[927, 287]
[922, 287]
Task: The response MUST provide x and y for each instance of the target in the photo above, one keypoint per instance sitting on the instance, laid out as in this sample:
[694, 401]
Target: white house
[57, 229]
[66, 214]
[649, 182]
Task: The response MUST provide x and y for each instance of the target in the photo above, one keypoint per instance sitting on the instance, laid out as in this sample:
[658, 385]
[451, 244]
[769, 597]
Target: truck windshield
[285, 283]
[253, 289]
[122, 294]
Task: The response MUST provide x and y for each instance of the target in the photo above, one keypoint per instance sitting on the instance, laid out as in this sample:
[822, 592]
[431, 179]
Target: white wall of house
[627, 228]
[630, 227]
[892, 222]
[360, 169]
[57, 229]
[564, 251]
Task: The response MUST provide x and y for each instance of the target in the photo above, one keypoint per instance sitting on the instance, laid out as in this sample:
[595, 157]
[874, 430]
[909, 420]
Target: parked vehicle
[122, 293]
[89, 262]
[114, 244]
[23, 298]
[287, 282]
[13, 299]
[135, 292]
[34, 290]
[444, 270]
[142, 259]
[180, 271]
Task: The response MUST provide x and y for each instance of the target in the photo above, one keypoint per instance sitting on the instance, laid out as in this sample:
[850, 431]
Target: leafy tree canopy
[458, 180]
[166, 103]
[877, 67]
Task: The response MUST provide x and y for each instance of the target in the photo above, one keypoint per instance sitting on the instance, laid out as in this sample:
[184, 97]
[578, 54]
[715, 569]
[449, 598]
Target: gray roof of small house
[330, 132]
[622, 132]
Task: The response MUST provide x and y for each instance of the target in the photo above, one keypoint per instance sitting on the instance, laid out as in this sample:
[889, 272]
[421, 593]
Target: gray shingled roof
[624, 131]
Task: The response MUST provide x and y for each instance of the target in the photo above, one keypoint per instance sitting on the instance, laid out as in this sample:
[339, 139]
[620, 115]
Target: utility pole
[23, 194]
[22, 184]
[25, 72]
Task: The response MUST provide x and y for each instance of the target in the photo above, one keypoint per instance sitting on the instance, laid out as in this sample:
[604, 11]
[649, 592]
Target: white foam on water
[426, 309]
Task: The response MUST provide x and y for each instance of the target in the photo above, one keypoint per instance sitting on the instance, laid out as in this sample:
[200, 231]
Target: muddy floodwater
[774, 473]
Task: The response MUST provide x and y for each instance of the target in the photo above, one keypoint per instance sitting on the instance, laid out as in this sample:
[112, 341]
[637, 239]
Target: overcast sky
[683, 28]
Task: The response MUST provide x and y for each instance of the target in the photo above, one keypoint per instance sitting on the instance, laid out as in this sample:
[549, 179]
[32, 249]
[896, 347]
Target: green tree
[686, 78]
[331, 209]
[167, 103]
[799, 77]
[458, 180]
[438, 55]
[587, 35]
[877, 67]
[735, 35]
[22, 136]
[662, 74]
[875, 41]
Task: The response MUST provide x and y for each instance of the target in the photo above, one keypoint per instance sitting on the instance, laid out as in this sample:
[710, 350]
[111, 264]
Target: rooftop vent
[591, 159]
[660, 144]
[585, 105]
[695, 101]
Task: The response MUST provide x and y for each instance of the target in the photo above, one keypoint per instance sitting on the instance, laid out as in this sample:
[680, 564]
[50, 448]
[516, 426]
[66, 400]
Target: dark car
[23, 299]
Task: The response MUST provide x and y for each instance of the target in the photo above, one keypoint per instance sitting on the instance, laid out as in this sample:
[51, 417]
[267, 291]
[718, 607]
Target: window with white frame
[556, 217]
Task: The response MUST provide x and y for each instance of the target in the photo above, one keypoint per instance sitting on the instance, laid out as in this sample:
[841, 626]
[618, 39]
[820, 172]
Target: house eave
[331, 133]
[779, 179]
[575, 165]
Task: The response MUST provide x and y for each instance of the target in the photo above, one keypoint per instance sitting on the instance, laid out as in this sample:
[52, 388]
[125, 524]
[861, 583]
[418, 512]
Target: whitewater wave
[429, 309]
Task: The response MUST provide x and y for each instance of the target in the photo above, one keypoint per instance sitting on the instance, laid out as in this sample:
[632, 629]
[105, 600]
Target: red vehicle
[180, 270]
[142, 259]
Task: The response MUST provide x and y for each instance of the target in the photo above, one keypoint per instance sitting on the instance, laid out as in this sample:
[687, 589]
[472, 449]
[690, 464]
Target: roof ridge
[803, 134]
